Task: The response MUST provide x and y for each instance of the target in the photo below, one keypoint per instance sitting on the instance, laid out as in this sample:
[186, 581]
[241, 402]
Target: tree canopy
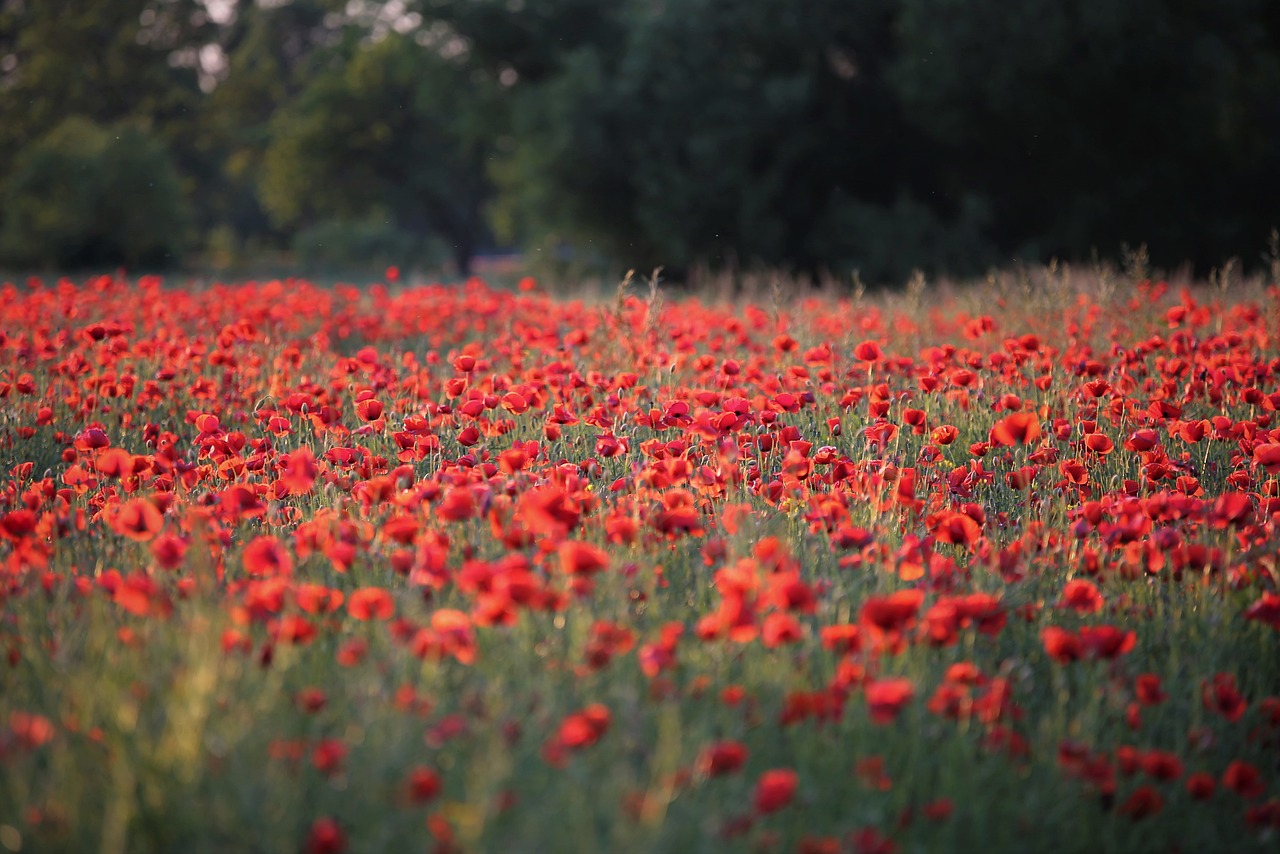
[878, 135]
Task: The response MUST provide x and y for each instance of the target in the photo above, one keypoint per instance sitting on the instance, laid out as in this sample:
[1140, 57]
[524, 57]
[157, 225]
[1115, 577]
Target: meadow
[466, 568]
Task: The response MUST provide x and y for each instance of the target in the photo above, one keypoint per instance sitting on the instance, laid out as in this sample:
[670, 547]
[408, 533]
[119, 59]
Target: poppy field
[461, 568]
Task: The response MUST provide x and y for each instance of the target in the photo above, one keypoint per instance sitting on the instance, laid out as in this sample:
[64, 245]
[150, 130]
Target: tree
[781, 111]
[106, 60]
[270, 54]
[694, 131]
[85, 194]
[535, 41]
[1087, 123]
[387, 131]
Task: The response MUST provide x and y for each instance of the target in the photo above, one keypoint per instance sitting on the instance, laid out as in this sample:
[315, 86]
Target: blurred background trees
[86, 194]
[878, 135]
[390, 133]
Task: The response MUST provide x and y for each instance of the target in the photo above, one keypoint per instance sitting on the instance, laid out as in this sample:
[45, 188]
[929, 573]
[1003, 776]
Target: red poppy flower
[1244, 779]
[371, 603]
[547, 511]
[584, 728]
[1099, 443]
[353, 652]
[1148, 689]
[1161, 764]
[1082, 596]
[775, 789]
[780, 628]
[1020, 428]
[939, 810]
[1200, 786]
[454, 634]
[114, 462]
[1266, 610]
[1143, 803]
[870, 840]
[723, 757]
[325, 837]
[1107, 642]
[952, 527]
[1222, 696]
[20, 524]
[265, 557]
[169, 551]
[1062, 645]
[842, 639]
[317, 599]
[1141, 441]
[241, 501]
[299, 471]
[369, 409]
[458, 505]
[1231, 509]
[887, 697]
[1268, 456]
[892, 613]
[868, 351]
[579, 558]
[423, 785]
[30, 730]
[138, 520]
[294, 629]
[944, 435]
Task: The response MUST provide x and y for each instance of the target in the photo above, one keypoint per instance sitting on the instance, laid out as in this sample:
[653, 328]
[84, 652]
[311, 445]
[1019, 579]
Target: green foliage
[362, 244]
[888, 134]
[880, 135]
[718, 133]
[385, 130]
[881, 241]
[85, 194]
[1089, 123]
[109, 61]
[272, 53]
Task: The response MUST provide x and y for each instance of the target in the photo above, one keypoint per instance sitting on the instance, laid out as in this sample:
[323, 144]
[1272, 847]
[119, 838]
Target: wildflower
[775, 789]
[723, 757]
[1082, 596]
[423, 784]
[371, 603]
[325, 837]
[868, 351]
[1020, 428]
[1244, 779]
[886, 698]
[264, 556]
[579, 558]
[1143, 803]
[1221, 695]
[137, 519]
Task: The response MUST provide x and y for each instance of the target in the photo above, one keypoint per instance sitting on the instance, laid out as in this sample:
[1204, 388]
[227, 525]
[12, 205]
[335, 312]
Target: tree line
[869, 135]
